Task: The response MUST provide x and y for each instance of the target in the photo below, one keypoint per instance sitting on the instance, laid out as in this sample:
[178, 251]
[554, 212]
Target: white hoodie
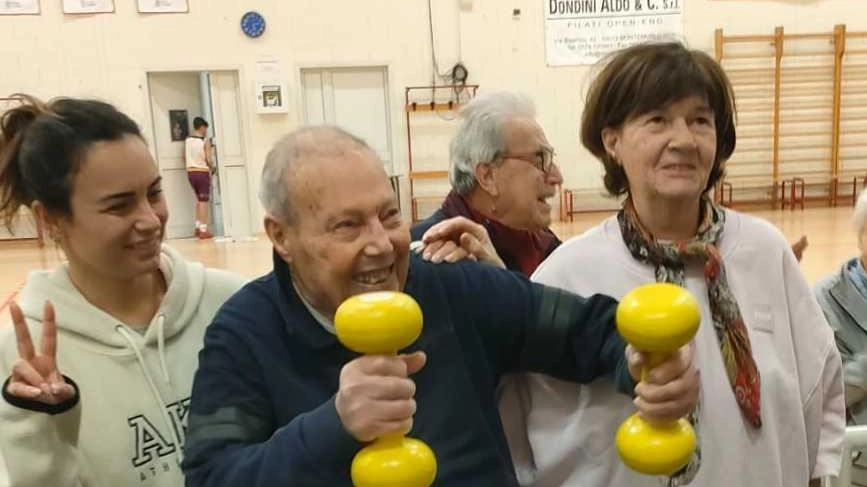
[134, 389]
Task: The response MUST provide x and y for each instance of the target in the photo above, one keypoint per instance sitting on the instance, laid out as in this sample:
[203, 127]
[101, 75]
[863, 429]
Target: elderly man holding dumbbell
[278, 400]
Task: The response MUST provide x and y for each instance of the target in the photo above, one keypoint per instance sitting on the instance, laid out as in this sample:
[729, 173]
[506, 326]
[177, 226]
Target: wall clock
[253, 24]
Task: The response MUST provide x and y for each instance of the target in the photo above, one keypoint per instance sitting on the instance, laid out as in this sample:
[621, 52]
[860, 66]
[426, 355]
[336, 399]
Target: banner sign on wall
[580, 32]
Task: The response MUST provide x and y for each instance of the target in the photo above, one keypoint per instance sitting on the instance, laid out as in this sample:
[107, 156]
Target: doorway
[176, 98]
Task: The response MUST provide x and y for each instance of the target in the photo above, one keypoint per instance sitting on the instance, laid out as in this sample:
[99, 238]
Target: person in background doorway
[199, 158]
[503, 176]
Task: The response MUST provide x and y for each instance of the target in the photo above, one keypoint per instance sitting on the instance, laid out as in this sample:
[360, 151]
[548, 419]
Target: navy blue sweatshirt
[262, 412]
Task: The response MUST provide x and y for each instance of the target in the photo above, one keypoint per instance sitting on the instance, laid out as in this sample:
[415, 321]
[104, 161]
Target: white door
[215, 223]
[355, 99]
[174, 92]
[231, 155]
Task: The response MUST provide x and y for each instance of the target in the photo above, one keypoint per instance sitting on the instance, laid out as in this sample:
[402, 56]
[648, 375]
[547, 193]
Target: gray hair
[481, 134]
[304, 142]
[859, 216]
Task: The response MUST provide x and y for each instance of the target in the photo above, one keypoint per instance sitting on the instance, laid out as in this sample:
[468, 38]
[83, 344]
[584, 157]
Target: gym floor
[829, 230]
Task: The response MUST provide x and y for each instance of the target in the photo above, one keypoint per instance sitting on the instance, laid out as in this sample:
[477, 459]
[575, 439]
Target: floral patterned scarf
[670, 259]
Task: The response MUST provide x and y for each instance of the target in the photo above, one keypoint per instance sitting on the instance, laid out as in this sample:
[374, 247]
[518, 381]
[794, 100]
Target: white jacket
[563, 434]
[134, 389]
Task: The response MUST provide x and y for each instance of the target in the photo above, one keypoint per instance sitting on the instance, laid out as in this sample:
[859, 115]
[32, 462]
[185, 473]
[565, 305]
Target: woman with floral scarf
[660, 118]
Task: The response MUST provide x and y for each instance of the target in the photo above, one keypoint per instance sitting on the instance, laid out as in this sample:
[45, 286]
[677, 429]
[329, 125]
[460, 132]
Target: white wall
[108, 55]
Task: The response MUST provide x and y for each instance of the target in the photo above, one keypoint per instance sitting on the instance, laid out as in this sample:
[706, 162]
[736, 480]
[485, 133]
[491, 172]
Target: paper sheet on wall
[18, 7]
[268, 67]
[87, 6]
[162, 6]
[581, 32]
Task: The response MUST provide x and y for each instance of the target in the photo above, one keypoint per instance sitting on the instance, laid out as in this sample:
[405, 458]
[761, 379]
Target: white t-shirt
[194, 154]
[562, 434]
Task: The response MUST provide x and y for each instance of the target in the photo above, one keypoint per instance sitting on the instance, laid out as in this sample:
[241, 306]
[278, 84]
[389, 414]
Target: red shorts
[201, 183]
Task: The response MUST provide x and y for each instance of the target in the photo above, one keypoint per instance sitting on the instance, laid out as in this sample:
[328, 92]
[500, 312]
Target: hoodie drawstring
[154, 390]
[161, 347]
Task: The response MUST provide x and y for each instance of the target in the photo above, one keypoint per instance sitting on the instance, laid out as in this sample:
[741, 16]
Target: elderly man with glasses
[503, 176]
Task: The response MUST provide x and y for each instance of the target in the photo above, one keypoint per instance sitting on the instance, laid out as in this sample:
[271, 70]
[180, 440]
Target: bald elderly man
[277, 400]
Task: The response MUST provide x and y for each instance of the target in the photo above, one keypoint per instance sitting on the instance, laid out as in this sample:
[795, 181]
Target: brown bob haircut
[647, 77]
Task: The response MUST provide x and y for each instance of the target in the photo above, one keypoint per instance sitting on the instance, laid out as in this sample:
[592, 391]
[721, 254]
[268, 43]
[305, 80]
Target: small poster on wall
[19, 7]
[581, 32]
[271, 97]
[88, 6]
[163, 6]
[179, 123]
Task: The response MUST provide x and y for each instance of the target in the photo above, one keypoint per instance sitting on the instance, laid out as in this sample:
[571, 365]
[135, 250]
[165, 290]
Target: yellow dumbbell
[382, 323]
[657, 319]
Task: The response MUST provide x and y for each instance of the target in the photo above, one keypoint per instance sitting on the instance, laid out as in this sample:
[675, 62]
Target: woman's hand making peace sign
[35, 376]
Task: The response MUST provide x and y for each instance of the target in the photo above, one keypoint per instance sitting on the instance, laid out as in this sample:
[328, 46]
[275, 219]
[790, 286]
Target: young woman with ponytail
[99, 364]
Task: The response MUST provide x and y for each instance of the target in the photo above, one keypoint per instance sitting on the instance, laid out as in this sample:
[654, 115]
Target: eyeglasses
[542, 159]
